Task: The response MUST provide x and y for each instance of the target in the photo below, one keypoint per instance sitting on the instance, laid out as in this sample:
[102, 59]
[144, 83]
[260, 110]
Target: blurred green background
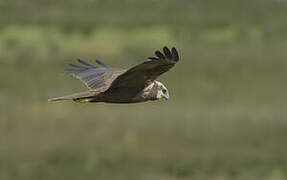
[226, 118]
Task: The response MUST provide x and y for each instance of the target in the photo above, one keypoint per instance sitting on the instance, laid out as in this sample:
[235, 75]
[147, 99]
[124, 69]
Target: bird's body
[112, 85]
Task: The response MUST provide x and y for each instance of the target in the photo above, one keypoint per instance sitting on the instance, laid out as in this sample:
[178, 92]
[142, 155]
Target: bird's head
[162, 91]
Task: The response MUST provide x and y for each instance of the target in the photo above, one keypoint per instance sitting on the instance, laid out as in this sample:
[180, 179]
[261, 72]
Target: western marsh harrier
[113, 85]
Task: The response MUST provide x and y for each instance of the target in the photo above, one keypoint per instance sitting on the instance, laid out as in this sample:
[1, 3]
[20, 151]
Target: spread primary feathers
[113, 85]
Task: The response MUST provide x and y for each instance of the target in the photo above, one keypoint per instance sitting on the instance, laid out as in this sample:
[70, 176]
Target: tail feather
[76, 97]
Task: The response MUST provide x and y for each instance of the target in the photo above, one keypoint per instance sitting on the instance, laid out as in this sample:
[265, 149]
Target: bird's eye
[164, 91]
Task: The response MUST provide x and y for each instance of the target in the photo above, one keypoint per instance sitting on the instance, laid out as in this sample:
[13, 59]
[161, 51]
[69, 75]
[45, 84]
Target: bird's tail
[81, 97]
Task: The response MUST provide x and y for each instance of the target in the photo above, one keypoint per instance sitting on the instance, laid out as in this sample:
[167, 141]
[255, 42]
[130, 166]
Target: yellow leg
[83, 100]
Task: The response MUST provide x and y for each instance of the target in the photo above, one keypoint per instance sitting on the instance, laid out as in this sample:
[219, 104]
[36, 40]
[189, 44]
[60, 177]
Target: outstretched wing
[95, 77]
[145, 73]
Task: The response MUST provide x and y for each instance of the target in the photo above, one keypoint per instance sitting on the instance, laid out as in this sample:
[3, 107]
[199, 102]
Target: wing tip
[174, 54]
[76, 68]
[167, 54]
[102, 64]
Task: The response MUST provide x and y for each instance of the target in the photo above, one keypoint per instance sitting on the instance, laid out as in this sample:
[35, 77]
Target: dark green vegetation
[226, 118]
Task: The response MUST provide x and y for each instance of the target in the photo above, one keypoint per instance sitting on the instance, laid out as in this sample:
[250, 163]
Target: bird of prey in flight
[113, 85]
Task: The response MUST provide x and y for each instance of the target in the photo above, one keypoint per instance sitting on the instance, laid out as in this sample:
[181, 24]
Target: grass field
[226, 118]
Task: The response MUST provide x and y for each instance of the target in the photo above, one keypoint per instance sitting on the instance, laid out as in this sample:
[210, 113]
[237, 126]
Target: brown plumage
[112, 85]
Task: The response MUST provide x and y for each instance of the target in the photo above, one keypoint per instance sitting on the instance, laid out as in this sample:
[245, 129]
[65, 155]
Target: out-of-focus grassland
[226, 118]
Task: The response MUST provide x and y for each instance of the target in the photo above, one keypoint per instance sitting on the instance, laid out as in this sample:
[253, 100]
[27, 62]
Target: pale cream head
[162, 91]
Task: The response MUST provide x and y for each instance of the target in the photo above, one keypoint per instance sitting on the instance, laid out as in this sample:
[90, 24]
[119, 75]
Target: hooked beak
[166, 96]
